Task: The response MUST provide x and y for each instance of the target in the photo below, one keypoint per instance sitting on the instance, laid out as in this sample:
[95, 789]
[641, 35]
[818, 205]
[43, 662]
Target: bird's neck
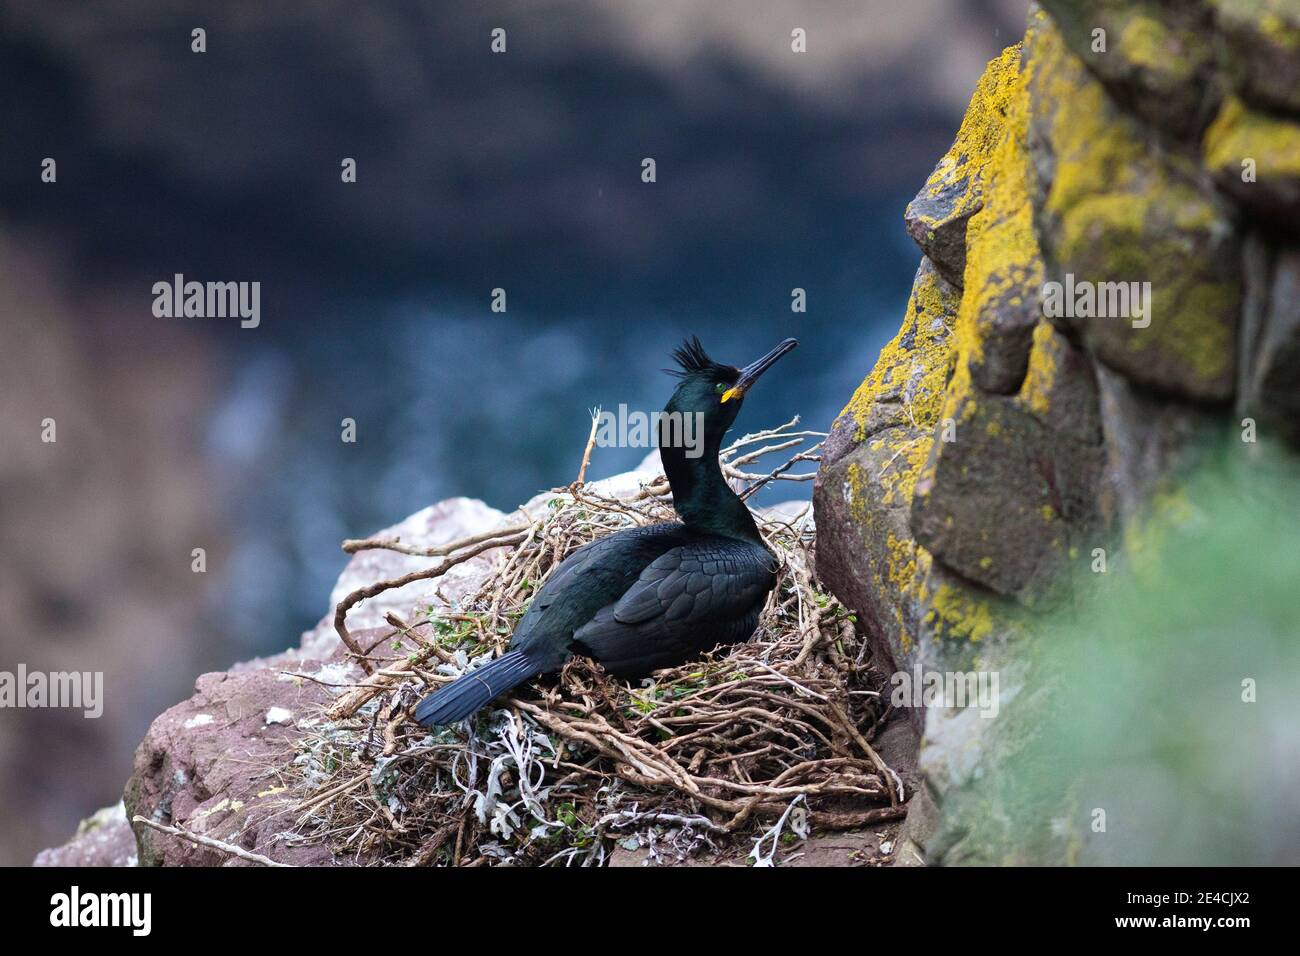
[703, 499]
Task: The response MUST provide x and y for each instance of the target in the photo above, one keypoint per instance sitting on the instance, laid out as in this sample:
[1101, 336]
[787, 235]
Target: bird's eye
[720, 387]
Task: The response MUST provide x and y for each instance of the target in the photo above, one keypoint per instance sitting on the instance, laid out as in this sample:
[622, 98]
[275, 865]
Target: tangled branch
[722, 748]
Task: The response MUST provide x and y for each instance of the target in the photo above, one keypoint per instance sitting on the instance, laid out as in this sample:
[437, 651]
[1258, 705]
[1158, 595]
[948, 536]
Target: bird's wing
[611, 561]
[591, 577]
[689, 599]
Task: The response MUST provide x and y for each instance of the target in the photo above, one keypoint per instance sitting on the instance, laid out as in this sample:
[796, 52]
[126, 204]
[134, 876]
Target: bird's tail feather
[475, 690]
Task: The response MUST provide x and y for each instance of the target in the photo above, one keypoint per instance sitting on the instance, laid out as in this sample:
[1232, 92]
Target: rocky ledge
[221, 765]
[211, 764]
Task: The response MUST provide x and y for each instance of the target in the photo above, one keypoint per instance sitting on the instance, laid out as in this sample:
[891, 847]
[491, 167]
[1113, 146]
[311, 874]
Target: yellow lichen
[1123, 213]
[1003, 264]
[900, 578]
[913, 366]
[1090, 150]
[978, 136]
[855, 492]
[898, 477]
[955, 612]
[1278, 20]
[1040, 379]
[1238, 133]
[1199, 335]
[907, 566]
[1281, 25]
[1148, 43]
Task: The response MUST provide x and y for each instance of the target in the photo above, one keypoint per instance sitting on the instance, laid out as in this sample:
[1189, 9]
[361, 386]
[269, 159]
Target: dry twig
[717, 749]
[209, 842]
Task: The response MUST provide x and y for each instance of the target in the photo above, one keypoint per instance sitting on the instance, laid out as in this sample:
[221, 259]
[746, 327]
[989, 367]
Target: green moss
[1121, 681]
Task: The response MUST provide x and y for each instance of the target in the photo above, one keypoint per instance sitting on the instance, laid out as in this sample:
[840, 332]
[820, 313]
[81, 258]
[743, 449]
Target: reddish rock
[212, 764]
[105, 839]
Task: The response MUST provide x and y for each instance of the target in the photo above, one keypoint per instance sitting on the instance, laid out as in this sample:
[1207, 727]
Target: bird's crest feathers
[694, 360]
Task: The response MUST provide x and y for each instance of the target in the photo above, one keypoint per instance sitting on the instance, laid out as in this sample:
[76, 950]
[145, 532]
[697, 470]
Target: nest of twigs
[762, 742]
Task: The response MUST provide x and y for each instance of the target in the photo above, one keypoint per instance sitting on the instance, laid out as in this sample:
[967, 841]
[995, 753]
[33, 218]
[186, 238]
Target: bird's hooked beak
[750, 373]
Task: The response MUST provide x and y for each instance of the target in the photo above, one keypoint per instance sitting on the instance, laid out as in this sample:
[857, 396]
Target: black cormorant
[651, 597]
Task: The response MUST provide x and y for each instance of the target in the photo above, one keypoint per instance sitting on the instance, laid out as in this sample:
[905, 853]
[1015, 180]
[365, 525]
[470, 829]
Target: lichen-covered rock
[1002, 503]
[874, 452]
[1073, 403]
[1004, 269]
[1155, 57]
[917, 612]
[1147, 261]
[937, 218]
[1255, 157]
[907, 384]
[955, 437]
[1060, 387]
[963, 626]
[1003, 490]
[1259, 43]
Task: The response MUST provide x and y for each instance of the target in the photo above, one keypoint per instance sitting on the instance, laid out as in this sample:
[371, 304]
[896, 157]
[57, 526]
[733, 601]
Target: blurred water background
[476, 171]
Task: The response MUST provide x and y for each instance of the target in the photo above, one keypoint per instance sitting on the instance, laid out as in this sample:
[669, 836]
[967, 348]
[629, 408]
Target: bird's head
[712, 389]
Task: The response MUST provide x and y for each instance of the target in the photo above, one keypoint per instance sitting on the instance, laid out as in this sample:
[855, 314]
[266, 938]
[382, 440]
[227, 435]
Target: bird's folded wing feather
[594, 576]
[689, 599]
[696, 581]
